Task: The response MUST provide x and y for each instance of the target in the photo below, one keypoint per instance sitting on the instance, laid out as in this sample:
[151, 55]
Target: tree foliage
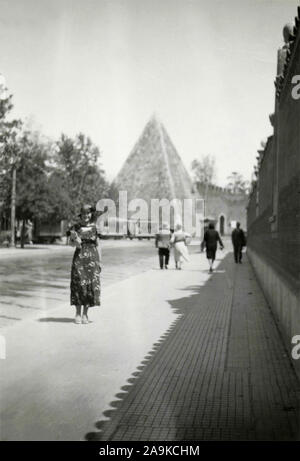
[237, 184]
[33, 195]
[77, 174]
[53, 179]
[8, 128]
[204, 170]
[9, 131]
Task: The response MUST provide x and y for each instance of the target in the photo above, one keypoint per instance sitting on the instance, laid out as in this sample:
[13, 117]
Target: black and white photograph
[149, 223]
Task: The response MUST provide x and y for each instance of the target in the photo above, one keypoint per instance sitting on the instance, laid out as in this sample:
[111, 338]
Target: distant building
[223, 207]
[154, 169]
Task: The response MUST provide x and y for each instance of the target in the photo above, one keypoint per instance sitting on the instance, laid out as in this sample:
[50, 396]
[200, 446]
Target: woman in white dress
[178, 240]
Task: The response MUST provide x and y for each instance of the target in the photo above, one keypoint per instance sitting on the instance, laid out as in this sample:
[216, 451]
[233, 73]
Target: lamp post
[13, 206]
[13, 161]
[3, 96]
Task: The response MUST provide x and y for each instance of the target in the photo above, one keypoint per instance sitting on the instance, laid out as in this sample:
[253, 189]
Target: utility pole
[13, 206]
[12, 151]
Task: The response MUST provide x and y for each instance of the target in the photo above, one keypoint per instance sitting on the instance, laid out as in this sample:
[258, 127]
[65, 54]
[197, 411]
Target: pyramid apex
[163, 176]
[155, 118]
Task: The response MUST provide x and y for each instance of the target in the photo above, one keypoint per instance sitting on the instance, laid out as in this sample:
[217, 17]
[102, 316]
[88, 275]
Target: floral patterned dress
[85, 272]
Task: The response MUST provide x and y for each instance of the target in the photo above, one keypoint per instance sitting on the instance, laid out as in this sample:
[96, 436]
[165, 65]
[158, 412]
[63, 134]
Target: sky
[206, 68]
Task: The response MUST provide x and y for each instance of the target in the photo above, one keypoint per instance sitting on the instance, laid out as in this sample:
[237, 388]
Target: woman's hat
[86, 209]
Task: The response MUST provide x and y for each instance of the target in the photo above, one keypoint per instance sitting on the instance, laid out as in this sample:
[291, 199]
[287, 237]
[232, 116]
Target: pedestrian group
[86, 264]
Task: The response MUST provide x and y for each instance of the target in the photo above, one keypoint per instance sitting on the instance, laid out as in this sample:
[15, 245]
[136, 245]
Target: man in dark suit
[162, 242]
[238, 241]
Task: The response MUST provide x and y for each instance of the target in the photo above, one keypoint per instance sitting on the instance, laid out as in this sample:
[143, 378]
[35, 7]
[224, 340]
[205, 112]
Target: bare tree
[237, 184]
[204, 170]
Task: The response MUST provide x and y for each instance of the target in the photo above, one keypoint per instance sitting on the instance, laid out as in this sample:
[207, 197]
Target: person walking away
[238, 241]
[210, 241]
[86, 268]
[162, 242]
[178, 240]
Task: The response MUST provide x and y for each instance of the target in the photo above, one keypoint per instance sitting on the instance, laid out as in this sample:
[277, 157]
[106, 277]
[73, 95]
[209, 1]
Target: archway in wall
[222, 224]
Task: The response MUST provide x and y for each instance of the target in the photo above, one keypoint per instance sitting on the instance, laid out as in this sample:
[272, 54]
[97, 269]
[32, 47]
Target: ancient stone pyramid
[154, 169]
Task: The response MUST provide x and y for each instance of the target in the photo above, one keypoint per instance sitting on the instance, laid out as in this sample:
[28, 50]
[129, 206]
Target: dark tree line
[53, 179]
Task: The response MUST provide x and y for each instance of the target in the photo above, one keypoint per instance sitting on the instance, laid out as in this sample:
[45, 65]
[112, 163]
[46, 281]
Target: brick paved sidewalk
[220, 372]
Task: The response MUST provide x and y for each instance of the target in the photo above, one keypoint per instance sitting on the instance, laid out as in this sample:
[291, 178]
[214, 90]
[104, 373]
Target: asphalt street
[36, 278]
[170, 355]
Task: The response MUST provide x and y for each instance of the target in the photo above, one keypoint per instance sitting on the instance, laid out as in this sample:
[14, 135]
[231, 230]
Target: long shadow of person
[56, 319]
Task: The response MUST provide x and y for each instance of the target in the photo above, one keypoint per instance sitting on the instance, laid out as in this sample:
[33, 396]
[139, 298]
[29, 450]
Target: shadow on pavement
[206, 378]
[56, 319]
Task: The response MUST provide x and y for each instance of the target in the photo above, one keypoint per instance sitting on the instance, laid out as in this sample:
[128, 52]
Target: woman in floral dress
[85, 272]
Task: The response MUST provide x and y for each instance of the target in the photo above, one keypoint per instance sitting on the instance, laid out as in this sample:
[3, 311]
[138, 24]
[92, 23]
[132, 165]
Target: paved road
[173, 355]
[58, 377]
[35, 279]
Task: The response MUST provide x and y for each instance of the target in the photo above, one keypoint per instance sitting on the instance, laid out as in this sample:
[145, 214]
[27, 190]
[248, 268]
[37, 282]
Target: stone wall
[154, 169]
[222, 202]
[273, 211]
[153, 172]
